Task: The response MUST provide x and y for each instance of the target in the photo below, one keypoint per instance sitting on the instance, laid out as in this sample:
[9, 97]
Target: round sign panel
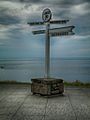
[46, 15]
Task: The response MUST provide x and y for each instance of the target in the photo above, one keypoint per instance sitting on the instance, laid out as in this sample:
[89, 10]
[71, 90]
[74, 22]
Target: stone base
[47, 86]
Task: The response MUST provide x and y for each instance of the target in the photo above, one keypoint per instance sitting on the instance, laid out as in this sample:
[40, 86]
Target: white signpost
[59, 31]
[46, 16]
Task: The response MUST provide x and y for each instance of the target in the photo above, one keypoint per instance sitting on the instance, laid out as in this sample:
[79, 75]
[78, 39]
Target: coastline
[74, 83]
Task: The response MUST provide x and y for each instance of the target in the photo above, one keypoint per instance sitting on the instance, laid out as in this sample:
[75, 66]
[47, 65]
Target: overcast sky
[17, 40]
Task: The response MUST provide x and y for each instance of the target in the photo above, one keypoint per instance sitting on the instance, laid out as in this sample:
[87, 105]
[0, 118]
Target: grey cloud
[86, 1]
[24, 1]
[61, 10]
[61, 2]
[31, 1]
[7, 19]
[65, 3]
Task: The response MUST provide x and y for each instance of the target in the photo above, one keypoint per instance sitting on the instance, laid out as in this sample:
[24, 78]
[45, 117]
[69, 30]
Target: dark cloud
[83, 24]
[32, 1]
[7, 19]
[24, 1]
[62, 2]
[72, 2]
[86, 1]
[67, 2]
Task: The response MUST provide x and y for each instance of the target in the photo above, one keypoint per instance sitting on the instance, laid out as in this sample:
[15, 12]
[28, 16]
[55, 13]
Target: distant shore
[75, 83]
[13, 82]
[78, 84]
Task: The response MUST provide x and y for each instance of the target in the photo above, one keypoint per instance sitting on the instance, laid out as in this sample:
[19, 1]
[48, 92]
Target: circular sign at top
[46, 15]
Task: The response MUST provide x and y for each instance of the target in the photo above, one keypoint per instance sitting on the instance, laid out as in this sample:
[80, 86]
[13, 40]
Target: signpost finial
[46, 15]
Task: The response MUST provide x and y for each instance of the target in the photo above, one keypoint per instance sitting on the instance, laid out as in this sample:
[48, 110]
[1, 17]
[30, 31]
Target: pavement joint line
[85, 93]
[45, 107]
[19, 107]
[5, 97]
[72, 106]
[2, 98]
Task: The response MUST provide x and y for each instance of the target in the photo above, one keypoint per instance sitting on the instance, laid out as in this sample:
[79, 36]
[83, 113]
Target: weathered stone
[47, 86]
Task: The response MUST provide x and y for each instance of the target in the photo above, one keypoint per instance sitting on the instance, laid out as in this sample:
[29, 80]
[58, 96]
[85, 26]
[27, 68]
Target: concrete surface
[18, 103]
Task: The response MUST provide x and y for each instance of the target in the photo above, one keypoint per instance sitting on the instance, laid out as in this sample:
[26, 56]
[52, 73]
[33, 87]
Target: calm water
[24, 70]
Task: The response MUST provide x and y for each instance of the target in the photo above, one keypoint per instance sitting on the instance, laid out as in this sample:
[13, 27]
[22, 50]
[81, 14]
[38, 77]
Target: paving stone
[4, 117]
[81, 106]
[33, 105]
[59, 108]
[31, 100]
[86, 91]
[33, 110]
[7, 110]
[75, 91]
[58, 117]
[18, 103]
[28, 117]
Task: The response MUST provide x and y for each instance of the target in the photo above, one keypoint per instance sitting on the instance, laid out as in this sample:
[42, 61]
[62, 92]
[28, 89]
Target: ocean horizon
[68, 69]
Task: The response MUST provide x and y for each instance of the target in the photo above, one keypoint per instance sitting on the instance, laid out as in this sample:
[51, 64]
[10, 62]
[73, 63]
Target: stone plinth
[47, 86]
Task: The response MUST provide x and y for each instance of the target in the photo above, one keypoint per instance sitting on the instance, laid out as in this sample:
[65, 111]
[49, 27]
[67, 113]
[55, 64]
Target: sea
[23, 70]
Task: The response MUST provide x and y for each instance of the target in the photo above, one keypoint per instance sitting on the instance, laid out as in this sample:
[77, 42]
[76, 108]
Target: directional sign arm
[51, 22]
[54, 33]
[62, 30]
[59, 21]
[35, 23]
[61, 34]
[38, 32]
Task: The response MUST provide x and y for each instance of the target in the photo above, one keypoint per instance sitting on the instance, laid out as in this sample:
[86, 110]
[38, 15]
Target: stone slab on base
[47, 86]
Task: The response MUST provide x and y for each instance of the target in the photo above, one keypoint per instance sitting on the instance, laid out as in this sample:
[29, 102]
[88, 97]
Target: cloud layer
[16, 34]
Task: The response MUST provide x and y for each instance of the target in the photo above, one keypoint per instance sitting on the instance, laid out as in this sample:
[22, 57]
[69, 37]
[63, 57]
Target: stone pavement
[18, 103]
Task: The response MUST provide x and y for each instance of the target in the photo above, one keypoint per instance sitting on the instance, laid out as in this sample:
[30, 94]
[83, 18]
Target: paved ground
[17, 103]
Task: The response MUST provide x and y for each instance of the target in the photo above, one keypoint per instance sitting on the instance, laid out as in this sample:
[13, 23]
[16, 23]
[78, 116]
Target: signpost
[48, 85]
[46, 16]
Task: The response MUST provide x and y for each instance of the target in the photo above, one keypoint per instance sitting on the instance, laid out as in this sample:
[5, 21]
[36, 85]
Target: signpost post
[47, 52]
[48, 85]
[46, 16]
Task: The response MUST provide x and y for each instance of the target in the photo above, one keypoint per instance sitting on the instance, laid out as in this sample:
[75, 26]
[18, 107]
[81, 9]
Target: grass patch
[13, 82]
[77, 83]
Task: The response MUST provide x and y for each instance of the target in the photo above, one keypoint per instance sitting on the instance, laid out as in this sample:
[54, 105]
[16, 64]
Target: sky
[18, 42]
